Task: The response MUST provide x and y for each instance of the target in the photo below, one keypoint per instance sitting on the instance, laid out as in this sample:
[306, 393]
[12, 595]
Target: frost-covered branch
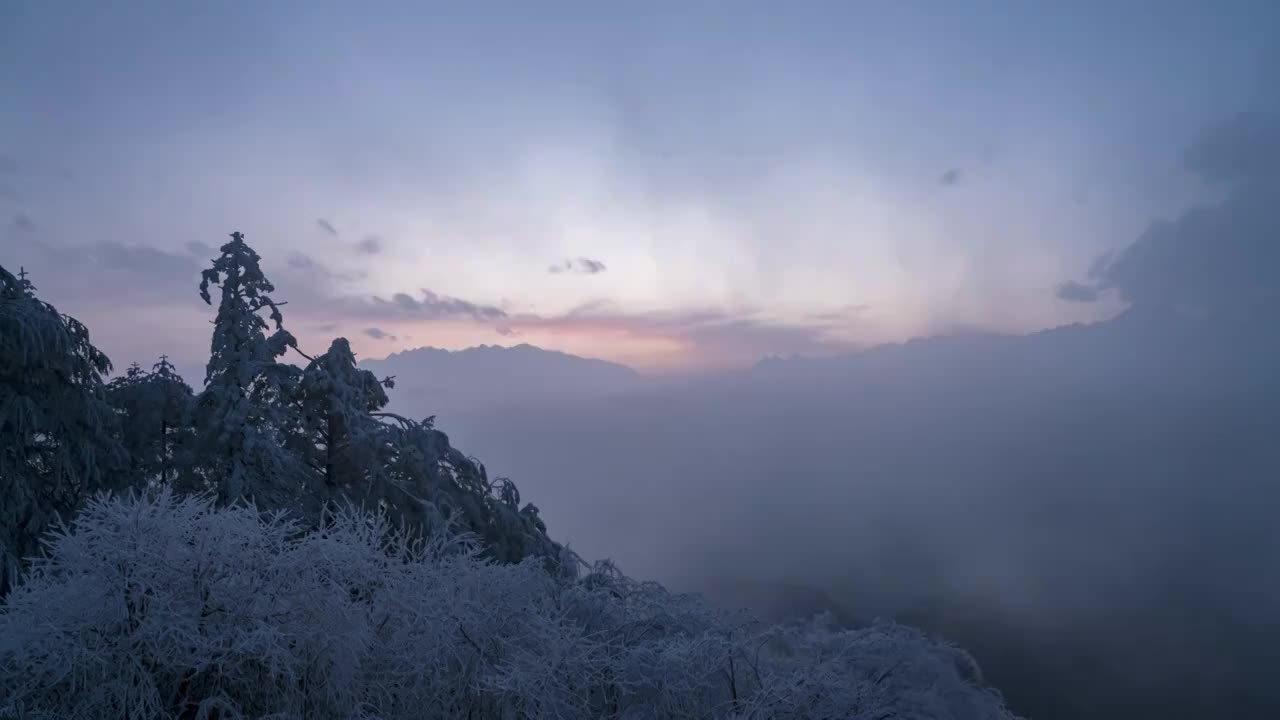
[154, 607]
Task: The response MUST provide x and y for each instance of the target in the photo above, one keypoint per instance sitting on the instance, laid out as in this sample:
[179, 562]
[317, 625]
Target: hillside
[1026, 495]
[278, 544]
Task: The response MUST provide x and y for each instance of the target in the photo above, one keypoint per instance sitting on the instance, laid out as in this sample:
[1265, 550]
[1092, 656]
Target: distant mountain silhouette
[1143, 345]
[489, 376]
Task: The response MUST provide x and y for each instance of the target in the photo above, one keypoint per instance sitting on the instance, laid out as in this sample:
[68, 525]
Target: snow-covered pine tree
[57, 432]
[341, 440]
[406, 468]
[300, 440]
[429, 482]
[173, 397]
[125, 394]
[242, 417]
[153, 406]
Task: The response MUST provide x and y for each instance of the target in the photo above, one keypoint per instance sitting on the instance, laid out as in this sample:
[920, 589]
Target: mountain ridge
[458, 381]
[476, 350]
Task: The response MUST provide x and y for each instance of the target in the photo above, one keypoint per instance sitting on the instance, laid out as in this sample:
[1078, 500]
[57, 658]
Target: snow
[165, 605]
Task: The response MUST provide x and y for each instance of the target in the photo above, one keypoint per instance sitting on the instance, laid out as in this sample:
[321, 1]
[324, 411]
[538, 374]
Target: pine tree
[152, 406]
[428, 483]
[408, 469]
[172, 400]
[241, 416]
[57, 432]
[341, 440]
[125, 393]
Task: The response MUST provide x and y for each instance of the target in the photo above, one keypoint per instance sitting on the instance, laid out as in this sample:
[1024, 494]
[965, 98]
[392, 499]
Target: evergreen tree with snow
[367, 457]
[57, 432]
[341, 440]
[242, 417]
[431, 484]
[153, 407]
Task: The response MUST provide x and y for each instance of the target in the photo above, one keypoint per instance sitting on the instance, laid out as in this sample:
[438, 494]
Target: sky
[675, 186]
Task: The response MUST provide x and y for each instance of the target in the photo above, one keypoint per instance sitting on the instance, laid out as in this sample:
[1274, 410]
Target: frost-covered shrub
[166, 607]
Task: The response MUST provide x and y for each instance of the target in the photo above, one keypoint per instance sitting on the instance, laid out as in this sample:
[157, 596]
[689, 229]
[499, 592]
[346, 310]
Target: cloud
[433, 306]
[327, 226]
[108, 276]
[112, 286]
[201, 249]
[23, 222]
[1244, 148]
[591, 267]
[114, 272]
[717, 337]
[8, 164]
[370, 245]
[579, 266]
[315, 270]
[1098, 268]
[1073, 291]
[110, 273]
[950, 177]
[301, 261]
[842, 315]
[1211, 256]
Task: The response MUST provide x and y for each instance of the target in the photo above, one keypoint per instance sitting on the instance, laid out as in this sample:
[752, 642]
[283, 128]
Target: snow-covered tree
[429, 483]
[242, 416]
[340, 439]
[153, 407]
[305, 440]
[365, 457]
[56, 429]
[169, 607]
